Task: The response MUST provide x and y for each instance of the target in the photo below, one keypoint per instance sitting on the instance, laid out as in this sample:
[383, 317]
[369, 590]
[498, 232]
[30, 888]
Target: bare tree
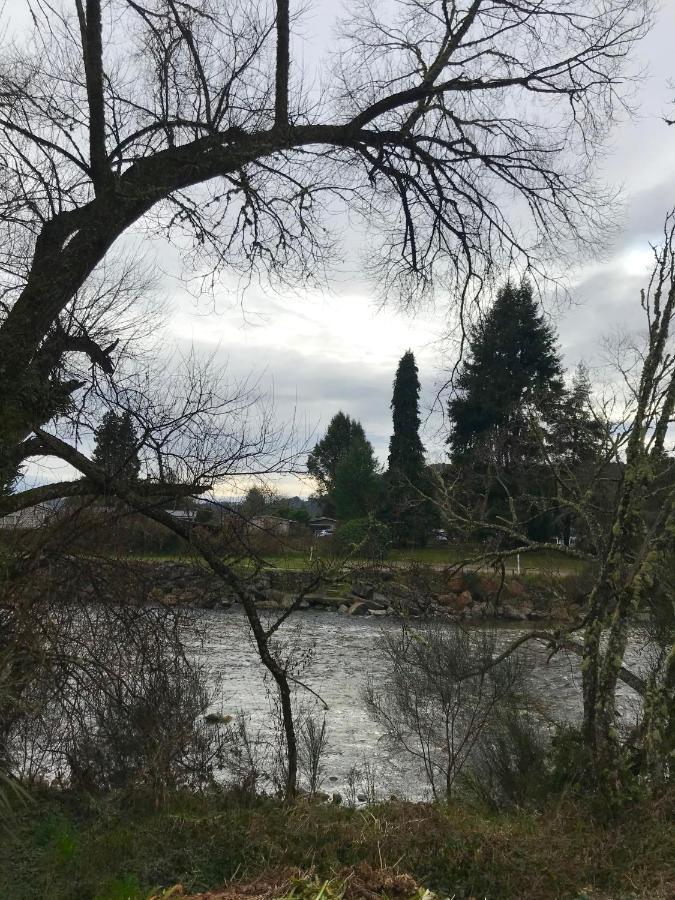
[193, 118]
[443, 687]
[631, 536]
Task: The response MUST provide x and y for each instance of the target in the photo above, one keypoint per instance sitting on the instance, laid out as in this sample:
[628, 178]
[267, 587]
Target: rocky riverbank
[374, 593]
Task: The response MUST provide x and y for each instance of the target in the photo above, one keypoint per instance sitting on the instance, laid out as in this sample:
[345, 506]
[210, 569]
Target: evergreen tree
[405, 508]
[406, 452]
[116, 446]
[328, 453]
[255, 503]
[577, 441]
[356, 485]
[577, 436]
[513, 370]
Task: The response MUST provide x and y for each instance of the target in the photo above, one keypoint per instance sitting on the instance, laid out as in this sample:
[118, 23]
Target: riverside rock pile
[377, 593]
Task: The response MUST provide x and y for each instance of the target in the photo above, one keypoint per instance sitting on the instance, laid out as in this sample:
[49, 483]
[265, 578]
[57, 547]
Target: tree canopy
[406, 451]
[191, 119]
[512, 371]
[322, 463]
[116, 447]
[356, 484]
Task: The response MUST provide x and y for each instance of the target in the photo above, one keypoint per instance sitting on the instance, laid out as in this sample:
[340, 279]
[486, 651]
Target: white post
[518, 564]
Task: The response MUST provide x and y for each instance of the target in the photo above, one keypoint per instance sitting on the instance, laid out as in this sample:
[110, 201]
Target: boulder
[456, 583]
[328, 600]
[512, 614]
[267, 604]
[343, 609]
[363, 590]
[378, 612]
[464, 599]
[515, 588]
[358, 608]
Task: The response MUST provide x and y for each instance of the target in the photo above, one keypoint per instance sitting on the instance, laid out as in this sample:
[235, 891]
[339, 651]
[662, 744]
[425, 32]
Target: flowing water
[338, 654]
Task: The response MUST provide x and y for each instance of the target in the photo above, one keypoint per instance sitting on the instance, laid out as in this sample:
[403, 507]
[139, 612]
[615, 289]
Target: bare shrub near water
[109, 699]
[442, 688]
[510, 766]
[312, 747]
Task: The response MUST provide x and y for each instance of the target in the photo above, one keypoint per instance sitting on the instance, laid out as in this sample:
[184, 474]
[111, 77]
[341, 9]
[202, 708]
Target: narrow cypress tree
[406, 452]
[408, 511]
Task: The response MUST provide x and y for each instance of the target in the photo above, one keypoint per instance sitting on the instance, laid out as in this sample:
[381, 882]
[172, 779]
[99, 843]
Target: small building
[31, 517]
[323, 523]
[274, 525]
[183, 515]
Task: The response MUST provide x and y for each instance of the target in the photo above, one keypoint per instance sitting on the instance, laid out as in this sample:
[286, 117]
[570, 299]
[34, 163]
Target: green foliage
[406, 452]
[204, 842]
[407, 484]
[356, 485]
[255, 503]
[330, 451]
[116, 446]
[204, 515]
[513, 369]
[509, 767]
[366, 537]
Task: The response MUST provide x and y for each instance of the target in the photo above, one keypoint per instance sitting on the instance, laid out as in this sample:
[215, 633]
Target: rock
[357, 608]
[477, 611]
[363, 590]
[379, 601]
[267, 604]
[343, 609]
[217, 719]
[322, 795]
[456, 583]
[337, 797]
[536, 616]
[512, 614]
[515, 588]
[324, 600]
[333, 778]
[362, 798]
[464, 599]
[378, 612]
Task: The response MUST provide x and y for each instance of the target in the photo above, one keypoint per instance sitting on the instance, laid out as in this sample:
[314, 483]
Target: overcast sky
[336, 351]
[321, 352]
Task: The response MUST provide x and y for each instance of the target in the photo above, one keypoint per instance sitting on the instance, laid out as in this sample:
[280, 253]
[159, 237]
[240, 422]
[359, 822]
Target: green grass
[57, 851]
[554, 563]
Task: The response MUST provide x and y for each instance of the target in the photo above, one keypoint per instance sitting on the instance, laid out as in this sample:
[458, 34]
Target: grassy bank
[59, 851]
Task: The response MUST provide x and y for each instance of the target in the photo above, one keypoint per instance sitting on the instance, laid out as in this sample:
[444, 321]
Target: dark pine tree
[406, 452]
[116, 447]
[513, 371]
[511, 379]
[408, 511]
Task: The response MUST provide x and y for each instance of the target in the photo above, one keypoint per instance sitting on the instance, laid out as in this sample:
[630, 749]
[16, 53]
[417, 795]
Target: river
[339, 653]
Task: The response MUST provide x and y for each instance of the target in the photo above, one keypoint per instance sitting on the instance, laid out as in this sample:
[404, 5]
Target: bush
[442, 691]
[509, 767]
[364, 538]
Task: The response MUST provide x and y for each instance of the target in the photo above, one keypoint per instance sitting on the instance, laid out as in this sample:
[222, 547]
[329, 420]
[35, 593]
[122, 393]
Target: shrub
[509, 767]
[441, 692]
[364, 538]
